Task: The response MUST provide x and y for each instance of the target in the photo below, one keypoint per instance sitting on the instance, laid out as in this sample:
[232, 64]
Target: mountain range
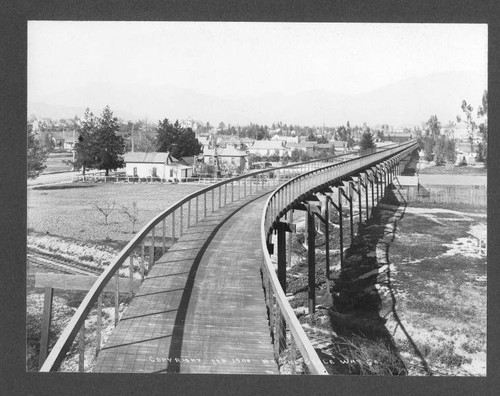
[407, 102]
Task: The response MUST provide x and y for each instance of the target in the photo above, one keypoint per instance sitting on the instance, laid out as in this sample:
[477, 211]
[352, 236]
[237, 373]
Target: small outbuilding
[157, 165]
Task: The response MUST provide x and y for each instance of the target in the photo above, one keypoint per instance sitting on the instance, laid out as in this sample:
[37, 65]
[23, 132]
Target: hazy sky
[247, 58]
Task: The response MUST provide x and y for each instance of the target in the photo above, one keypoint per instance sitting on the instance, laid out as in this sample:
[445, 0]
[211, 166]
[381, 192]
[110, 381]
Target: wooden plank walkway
[202, 308]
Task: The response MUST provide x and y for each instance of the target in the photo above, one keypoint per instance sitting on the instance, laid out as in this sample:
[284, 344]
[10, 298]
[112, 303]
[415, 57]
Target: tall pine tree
[108, 146]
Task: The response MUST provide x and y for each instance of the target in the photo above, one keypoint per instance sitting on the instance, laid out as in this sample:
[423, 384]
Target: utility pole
[132, 137]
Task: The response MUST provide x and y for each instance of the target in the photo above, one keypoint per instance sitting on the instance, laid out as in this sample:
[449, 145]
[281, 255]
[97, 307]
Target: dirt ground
[412, 298]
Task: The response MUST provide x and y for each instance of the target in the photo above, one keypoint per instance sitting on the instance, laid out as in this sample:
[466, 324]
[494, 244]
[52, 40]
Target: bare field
[67, 210]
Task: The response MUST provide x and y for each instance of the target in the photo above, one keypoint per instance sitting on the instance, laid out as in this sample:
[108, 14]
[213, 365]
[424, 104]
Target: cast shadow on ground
[358, 298]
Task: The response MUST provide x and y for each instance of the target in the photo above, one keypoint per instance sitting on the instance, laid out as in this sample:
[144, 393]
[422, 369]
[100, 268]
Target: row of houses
[231, 156]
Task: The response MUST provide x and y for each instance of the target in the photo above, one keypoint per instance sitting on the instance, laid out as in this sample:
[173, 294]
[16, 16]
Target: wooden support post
[360, 220]
[117, 297]
[366, 199]
[47, 316]
[189, 215]
[372, 182]
[290, 241]
[99, 325]
[81, 349]
[341, 232]
[327, 239]
[282, 256]
[349, 199]
[311, 258]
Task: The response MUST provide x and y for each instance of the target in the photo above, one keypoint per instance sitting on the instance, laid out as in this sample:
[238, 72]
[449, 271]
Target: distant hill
[410, 101]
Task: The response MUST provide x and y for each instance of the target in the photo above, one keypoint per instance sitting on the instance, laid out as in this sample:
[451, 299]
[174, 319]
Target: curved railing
[138, 256]
[282, 316]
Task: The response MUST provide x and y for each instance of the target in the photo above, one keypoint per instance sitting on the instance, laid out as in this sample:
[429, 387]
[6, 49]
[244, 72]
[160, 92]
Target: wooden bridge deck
[201, 309]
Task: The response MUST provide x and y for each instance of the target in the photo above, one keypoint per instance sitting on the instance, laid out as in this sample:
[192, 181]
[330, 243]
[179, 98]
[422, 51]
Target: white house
[228, 156]
[268, 147]
[155, 164]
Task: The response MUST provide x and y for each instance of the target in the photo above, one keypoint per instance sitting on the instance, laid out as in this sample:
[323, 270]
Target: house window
[171, 173]
[154, 172]
[135, 171]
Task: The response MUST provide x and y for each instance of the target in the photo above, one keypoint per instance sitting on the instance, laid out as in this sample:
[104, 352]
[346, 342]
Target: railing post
[131, 273]
[232, 191]
[163, 237]
[181, 221]
[173, 226]
[152, 249]
[196, 218]
[117, 297]
[204, 205]
[143, 263]
[189, 215]
[98, 325]
[47, 315]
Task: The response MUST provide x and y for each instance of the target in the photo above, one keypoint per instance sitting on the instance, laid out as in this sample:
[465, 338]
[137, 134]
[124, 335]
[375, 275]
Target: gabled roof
[305, 144]
[186, 160]
[152, 157]
[268, 145]
[228, 151]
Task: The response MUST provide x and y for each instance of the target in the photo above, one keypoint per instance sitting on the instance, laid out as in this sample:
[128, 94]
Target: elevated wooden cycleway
[202, 308]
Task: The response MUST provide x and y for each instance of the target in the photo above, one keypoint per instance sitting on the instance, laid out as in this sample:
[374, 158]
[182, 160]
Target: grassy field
[67, 210]
[455, 170]
[55, 162]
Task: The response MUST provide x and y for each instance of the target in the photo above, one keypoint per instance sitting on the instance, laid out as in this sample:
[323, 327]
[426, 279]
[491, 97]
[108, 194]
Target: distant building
[307, 147]
[156, 164]
[287, 139]
[229, 157]
[268, 147]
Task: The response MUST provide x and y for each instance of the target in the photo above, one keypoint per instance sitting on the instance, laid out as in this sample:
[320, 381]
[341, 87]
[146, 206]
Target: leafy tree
[37, 155]
[469, 122]
[178, 141]
[84, 147]
[366, 141]
[108, 147]
[295, 155]
[322, 140]
[482, 112]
